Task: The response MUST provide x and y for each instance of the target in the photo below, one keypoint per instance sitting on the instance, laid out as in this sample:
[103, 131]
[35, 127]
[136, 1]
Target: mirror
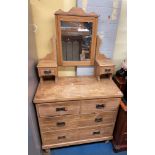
[76, 38]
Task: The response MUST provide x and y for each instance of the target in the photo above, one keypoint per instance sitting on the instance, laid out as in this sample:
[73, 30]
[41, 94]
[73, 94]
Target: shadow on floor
[100, 148]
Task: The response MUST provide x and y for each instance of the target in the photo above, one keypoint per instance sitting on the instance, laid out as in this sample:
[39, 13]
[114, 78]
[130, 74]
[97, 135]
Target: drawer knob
[96, 132]
[100, 106]
[61, 137]
[47, 72]
[61, 109]
[107, 70]
[60, 124]
[98, 120]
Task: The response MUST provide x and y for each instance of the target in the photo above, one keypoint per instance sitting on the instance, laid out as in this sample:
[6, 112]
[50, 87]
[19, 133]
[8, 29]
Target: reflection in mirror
[76, 40]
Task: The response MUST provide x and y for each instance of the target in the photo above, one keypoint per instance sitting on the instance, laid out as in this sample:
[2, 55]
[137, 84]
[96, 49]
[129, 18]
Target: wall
[120, 50]
[43, 18]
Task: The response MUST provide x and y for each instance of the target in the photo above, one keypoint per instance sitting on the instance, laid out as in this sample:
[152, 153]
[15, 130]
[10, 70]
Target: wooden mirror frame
[75, 14]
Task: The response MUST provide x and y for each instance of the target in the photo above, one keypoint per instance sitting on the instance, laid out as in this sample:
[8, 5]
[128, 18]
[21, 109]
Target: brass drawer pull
[98, 119]
[60, 124]
[107, 70]
[61, 109]
[47, 72]
[100, 106]
[96, 132]
[61, 137]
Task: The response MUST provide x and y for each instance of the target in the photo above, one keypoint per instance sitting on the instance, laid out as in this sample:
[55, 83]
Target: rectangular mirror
[76, 40]
[76, 37]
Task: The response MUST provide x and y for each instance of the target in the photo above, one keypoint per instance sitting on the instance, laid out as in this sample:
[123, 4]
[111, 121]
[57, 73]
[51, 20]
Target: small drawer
[58, 122]
[59, 108]
[99, 105]
[60, 137]
[47, 71]
[106, 70]
[96, 132]
[97, 119]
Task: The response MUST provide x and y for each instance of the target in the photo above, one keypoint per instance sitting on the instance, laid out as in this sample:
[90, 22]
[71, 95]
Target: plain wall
[120, 50]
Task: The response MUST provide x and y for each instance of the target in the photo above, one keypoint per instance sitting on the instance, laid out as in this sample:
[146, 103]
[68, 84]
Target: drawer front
[106, 70]
[96, 132]
[47, 71]
[56, 109]
[77, 134]
[99, 105]
[97, 119]
[71, 121]
[58, 123]
[60, 137]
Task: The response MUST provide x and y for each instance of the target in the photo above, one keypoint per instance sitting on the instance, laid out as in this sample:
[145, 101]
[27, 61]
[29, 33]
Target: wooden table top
[75, 88]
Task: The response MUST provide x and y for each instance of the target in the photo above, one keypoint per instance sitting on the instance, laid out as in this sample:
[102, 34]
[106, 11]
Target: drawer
[47, 71]
[106, 70]
[59, 108]
[55, 137]
[60, 137]
[97, 132]
[72, 121]
[97, 119]
[99, 105]
[58, 123]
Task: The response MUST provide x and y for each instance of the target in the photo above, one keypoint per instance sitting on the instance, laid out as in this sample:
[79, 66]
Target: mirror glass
[76, 38]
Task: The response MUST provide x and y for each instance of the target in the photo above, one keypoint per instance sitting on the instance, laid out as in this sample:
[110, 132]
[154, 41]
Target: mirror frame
[74, 15]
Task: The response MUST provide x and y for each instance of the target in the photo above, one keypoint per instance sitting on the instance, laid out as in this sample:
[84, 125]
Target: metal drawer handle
[107, 70]
[61, 109]
[47, 72]
[96, 132]
[60, 124]
[98, 119]
[100, 106]
[61, 137]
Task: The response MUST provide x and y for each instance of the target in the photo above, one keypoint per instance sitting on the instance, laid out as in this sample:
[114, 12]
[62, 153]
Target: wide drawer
[56, 137]
[59, 108]
[99, 105]
[68, 122]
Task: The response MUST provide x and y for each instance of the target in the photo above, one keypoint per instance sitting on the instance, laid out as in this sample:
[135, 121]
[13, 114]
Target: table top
[76, 88]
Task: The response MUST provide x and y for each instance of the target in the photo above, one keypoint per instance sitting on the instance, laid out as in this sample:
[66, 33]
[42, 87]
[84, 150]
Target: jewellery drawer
[97, 131]
[106, 70]
[47, 71]
[99, 105]
[59, 108]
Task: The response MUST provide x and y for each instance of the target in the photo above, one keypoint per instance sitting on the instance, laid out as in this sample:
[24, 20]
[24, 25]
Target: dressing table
[76, 110]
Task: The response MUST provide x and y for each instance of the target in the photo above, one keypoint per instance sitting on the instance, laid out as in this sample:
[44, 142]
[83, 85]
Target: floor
[88, 149]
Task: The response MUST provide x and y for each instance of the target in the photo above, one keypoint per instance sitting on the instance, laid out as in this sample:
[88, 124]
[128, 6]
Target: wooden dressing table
[76, 110]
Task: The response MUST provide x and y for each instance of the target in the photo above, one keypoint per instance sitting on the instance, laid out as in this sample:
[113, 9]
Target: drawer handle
[100, 106]
[98, 119]
[96, 132]
[61, 109]
[107, 70]
[47, 72]
[61, 137]
[60, 124]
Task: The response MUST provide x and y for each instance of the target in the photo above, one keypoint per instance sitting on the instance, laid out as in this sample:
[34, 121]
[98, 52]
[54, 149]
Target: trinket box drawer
[47, 71]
